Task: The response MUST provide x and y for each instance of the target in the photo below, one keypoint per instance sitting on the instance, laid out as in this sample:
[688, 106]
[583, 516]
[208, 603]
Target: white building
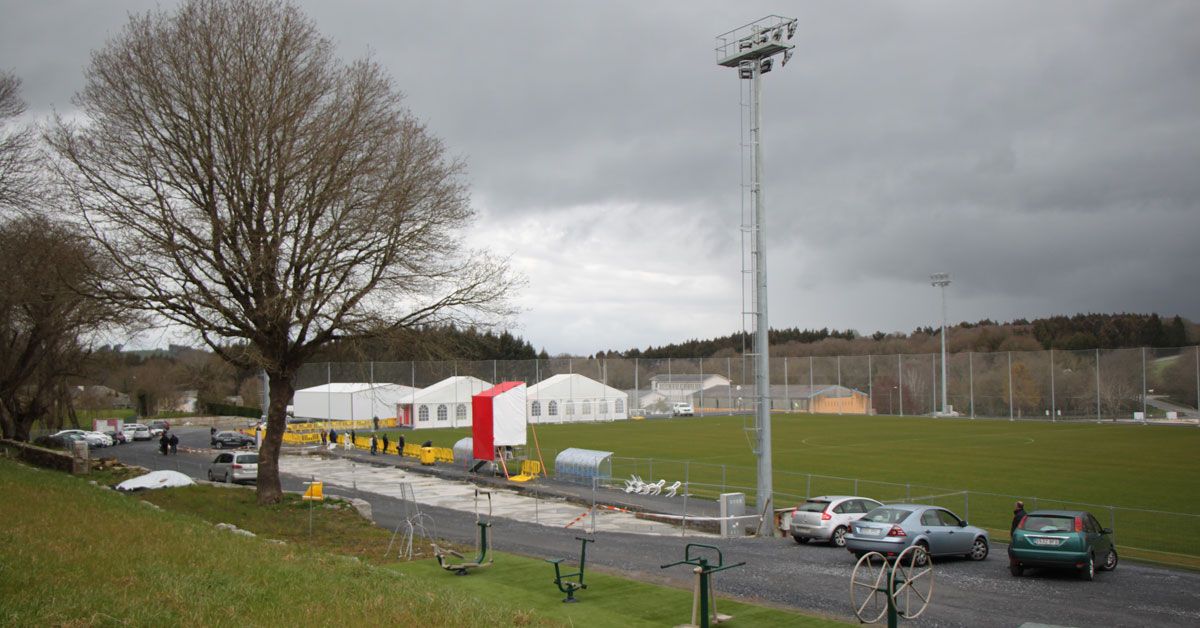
[444, 404]
[573, 398]
[681, 386]
[350, 401]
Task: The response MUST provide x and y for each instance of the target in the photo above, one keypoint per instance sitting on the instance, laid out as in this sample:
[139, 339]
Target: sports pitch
[1153, 468]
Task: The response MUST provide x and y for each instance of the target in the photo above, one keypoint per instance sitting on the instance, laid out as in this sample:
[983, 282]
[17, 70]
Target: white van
[680, 408]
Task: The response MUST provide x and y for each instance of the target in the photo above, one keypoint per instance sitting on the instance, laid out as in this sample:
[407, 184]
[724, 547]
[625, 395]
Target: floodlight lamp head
[791, 28]
[778, 34]
[787, 56]
[746, 70]
[765, 66]
[939, 279]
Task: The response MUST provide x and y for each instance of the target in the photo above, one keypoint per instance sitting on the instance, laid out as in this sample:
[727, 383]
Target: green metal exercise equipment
[900, 589]
[483, 556]
[704, 598]
[567, 586]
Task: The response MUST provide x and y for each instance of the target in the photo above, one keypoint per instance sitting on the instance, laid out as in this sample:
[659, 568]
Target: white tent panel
[350, 401]
[571, 398]
[508, 417]
[446, 403]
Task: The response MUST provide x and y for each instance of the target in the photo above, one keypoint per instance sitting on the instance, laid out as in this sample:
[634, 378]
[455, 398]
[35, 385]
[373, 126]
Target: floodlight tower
[941, 280]
[751, 49]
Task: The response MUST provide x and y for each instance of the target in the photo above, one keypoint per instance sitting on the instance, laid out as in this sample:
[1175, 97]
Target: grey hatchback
[234, 467]
[890, 529]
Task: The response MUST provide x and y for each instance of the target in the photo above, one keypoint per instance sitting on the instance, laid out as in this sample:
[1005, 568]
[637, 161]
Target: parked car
[136, 431]
[234, 467]
[221, 440]
[118, 438]
[828, 517]
[94, 439]
[59, 441]
[1071, 539]
[680, 408]
[158, 427]
[890, 529]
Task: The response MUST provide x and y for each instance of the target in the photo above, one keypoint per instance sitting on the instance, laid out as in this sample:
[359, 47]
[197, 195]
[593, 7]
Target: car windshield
[247, 459]
[812, 505]
[1048, 523]
[887, 515]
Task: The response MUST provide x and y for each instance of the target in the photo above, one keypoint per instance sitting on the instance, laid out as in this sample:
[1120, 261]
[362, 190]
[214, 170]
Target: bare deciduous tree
[18, 160]
[253, 188]
[45, 321]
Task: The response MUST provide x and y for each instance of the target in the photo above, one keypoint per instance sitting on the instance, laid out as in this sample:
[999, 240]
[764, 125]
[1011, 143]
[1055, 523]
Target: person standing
[174, 442]
[374, 443]
[385, 442]
[332, 436]
[1018, 515]
[163, 442]
[400, 446]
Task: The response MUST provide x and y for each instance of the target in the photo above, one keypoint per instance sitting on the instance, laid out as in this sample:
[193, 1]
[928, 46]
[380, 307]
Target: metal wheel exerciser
[900, 589]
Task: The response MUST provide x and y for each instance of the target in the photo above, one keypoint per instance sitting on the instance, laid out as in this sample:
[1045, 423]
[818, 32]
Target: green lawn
[75, 554]
[1129, 466]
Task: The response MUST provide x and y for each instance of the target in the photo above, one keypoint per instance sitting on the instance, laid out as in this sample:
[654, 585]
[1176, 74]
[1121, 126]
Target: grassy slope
[131, 564]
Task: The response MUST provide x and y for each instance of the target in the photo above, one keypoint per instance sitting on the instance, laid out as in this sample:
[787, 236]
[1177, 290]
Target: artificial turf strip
[75, 554]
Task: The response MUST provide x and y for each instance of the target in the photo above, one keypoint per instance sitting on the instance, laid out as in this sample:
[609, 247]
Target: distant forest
[1081, 331]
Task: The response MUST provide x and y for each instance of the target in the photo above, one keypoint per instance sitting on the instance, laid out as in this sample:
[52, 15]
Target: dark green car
[1069, 539]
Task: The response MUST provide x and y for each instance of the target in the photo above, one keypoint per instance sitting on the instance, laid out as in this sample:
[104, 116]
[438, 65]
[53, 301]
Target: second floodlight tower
[941, 280]
[751, 50]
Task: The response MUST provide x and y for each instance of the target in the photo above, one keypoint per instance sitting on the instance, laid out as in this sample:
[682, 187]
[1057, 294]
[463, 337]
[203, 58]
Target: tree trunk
[270, 491]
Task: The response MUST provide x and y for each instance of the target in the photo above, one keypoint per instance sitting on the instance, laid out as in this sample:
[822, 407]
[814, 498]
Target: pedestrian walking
[212, 431]
[385, 443]
[400, 446]
[374, 443]
[323, 437]
[353, 437]
[1018, 515]
[163, 442]
[174, 442]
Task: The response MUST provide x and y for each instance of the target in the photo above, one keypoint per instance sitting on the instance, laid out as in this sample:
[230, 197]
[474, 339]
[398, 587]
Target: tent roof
[499, 389]
[354, 387]
[574, 385]
[449, 389]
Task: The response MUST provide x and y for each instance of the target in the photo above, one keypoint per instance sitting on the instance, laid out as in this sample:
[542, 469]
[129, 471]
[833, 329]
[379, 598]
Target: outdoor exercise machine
[891, 588]
[483, 555]
[567, 586]
[704, 598]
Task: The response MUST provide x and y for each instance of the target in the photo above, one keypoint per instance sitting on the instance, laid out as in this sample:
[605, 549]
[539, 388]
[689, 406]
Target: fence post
[967, 505]
[722, 478]
[1098, 418]
[971, 376]
[1143, 383]
[1053, 408]
[907, 492]
[683, 532]
[1010, 391]
[855, 487]
[870, 386]
[593, 505]
[650, 476]
[810, 384]
[900, 376]
[808, 487]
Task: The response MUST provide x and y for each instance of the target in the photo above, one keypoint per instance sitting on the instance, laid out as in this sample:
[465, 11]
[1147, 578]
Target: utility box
[732, 505]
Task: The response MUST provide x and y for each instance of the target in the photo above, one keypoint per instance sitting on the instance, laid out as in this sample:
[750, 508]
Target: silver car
[828, 517]
[890, 529]
[234, 467]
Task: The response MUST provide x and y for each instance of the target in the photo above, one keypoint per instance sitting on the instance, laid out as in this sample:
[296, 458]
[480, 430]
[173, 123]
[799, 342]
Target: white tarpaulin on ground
[156, 479]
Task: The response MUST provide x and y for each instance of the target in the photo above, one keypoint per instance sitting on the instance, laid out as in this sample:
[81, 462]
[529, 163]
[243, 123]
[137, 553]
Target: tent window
[460, 413]
[536, 409]
[443, 413]
[619, 405]
[587, 408]
[423, 413]
[552, 408]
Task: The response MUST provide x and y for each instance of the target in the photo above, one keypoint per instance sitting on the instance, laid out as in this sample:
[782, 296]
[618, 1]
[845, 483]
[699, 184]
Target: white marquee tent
[444, 404]
[350, 401]
[572, 398]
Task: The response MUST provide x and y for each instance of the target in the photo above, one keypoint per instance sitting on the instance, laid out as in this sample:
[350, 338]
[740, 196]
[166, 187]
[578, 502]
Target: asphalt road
[812, 578]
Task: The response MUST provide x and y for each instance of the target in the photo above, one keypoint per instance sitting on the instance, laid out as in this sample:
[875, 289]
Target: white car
[94, 439]
[136, 431]
[828, 517]
[680, 408]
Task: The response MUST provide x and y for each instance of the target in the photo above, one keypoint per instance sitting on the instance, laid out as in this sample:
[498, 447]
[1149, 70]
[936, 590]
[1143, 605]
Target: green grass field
[78, 555]
[1128, 466]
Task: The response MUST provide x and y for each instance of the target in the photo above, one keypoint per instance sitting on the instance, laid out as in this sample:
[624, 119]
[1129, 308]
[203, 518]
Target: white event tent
[572, 398]
[444, 404]
[350, 401]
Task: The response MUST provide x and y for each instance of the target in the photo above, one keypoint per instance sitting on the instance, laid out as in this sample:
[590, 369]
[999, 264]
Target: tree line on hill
[1081, 331]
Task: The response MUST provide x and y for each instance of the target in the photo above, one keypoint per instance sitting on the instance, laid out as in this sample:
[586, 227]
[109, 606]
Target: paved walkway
[528, 506]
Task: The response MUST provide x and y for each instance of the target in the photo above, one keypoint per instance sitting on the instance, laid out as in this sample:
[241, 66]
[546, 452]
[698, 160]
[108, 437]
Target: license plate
[1046, 541]
[870, 531]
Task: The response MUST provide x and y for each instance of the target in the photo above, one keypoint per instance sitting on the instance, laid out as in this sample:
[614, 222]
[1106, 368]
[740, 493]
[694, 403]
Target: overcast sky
[1046, 154]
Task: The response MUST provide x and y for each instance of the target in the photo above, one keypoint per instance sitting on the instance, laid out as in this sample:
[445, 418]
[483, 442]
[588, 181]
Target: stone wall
[39, 456]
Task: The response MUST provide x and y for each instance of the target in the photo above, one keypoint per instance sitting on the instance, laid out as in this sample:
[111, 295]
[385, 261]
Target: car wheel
[922, 558]
[801, 539]
[1089, 570]
[210, 476]
[1110, 561]
[1015, 569]
[979, 550]
[838, 538]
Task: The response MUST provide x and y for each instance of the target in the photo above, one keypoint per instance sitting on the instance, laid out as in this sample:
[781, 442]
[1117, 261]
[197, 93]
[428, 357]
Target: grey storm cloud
[1042, 152]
